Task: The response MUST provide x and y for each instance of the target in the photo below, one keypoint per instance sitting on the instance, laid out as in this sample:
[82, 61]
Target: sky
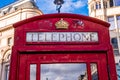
[68, 71]
[58, 71]
[48, 7]
[5, 2]
[69, 6]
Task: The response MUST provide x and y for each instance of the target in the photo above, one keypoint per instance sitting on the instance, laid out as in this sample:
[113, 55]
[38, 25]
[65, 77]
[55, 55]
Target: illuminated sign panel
[61, 37]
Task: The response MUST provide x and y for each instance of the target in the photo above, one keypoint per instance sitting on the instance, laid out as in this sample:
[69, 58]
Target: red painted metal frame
[34, 24]
[75, 57]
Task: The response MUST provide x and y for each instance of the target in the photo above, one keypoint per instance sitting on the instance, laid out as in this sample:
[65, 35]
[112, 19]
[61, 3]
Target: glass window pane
[114, 43]
[105, 4]
[97, 5]
[10, 41]
[112, 23]
[65, 71]
[118, 21]
[7, 71]
[118, 70]
[117, 2]
[116, 52]
[94, 71]
[111, 3]
[33, 72]
[110, 19]
[118, 17]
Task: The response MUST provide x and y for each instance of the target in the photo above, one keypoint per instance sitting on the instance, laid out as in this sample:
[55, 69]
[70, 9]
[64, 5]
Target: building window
[63, 71]
[115, 45]
[114, 42]
[112, 23]
[117, 2]
[111, 3]
[118, 70]
[114, 3]
[7, 72]
[94, 71]
[92, 7]
[6, 65]
[10, 41]
[105, 4]
[118, 21]
[98, 5]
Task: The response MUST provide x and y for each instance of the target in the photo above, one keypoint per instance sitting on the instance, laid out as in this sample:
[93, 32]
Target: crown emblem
[61, 24]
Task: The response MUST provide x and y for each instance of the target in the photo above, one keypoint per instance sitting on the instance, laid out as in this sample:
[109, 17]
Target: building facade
[109, 10]
[10, 14]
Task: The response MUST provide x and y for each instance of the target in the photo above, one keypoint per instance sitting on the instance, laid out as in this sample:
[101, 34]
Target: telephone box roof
[62, 15]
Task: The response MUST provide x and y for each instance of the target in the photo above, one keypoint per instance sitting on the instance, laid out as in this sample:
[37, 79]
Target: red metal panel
[34, 24]
[64, 58]
[25, 52]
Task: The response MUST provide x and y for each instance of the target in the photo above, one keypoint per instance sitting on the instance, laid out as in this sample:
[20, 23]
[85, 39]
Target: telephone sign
[61, 37]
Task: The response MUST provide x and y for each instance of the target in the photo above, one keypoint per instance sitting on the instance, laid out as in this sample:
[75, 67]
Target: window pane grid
[65, 71]
[94, 71]
[118, 21]
[7, 71]
[112, 23]
[33, 71]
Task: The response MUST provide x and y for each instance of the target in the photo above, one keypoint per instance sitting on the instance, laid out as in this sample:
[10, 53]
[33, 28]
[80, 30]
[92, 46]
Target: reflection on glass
[33, 72]
[65, 71]
[112, 22]
[7, 71]
[118, 21]
[94, 71]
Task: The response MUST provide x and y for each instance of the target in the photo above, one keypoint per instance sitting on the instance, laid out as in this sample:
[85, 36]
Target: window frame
[111, 20]
[114, 46]
[114, 3]
[9, 41]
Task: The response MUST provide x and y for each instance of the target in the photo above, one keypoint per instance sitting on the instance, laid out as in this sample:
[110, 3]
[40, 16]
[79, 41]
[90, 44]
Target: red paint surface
[24, 53]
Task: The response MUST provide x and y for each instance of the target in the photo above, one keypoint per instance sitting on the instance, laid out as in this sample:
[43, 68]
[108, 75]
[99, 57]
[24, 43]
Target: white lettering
[62, 37]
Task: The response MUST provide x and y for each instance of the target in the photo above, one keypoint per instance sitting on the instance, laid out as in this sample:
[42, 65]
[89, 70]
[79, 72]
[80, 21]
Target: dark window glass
[117, 2]
[114, 42]
[94, 71]
[111, 3]
[114, 3]
[118, 17]
[10, 41]
[115, 45]
[118, 70]
[97, 6]
[116, 52]
[105, 4]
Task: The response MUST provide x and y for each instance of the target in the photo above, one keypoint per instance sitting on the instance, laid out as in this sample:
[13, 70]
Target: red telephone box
[62, 47]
